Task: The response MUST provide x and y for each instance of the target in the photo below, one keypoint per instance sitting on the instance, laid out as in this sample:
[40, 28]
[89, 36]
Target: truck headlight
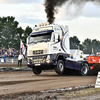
[48, 59]
[29, 61]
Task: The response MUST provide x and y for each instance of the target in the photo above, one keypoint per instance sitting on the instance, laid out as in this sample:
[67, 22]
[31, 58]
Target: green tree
[91, 46]
[18, 37]
[95, 46]
[8, 31]
[87, 46]
[11, 34]
[26, 33]
[74, 42]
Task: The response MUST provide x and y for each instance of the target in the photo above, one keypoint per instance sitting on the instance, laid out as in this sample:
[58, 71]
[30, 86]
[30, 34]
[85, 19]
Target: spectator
[2, 51]
[20, 57]
[5, 54]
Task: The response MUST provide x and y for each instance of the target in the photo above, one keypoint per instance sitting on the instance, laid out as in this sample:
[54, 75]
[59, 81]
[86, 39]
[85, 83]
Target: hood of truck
[38, 49]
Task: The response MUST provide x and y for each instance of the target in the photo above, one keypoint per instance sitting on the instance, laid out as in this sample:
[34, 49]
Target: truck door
[56, 42]
[56, 37]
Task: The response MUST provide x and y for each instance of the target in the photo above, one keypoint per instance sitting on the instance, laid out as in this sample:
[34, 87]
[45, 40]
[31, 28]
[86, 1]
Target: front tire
[37, 71]
[60, 68]
[84, 69]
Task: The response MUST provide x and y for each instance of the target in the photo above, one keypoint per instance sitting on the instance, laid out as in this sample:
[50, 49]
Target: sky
[83, 23]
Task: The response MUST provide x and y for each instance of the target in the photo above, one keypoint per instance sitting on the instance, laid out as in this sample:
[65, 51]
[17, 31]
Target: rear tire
[84, 69]
[37, 71]
[60, 68]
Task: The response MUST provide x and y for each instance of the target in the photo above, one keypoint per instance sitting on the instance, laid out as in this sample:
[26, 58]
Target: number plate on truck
[37, 64]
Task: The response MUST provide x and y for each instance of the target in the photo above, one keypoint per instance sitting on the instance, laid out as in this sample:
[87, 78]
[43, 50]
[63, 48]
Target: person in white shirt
[20, 57]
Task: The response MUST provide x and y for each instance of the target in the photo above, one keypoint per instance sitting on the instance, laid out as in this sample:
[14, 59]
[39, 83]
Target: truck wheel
[37, 71]
[84, 69]
[60, 67]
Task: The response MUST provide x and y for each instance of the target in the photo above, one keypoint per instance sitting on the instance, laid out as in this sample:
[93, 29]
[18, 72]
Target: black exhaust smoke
[50, 6]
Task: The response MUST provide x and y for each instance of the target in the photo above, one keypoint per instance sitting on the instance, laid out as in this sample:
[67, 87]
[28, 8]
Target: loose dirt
[24, 84]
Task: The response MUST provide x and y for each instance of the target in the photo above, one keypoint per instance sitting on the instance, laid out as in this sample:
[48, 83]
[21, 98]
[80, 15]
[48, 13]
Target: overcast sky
[83, 23]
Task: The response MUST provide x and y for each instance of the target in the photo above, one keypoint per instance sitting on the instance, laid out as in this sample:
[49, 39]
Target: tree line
[88, 46]
[10, 35]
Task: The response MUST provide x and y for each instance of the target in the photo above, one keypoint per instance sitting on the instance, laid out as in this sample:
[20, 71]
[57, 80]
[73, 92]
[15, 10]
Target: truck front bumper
[40, 61]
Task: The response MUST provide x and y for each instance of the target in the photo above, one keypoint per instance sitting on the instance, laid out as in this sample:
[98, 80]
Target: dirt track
[26, 81]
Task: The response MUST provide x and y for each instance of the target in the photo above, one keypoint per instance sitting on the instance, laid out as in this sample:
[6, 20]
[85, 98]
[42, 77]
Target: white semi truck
[48, 48]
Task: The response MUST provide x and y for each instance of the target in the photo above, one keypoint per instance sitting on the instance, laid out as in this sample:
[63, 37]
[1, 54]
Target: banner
[22, 47]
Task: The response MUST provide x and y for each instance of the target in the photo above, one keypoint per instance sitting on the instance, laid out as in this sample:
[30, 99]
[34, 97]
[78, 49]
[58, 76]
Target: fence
[11, 62]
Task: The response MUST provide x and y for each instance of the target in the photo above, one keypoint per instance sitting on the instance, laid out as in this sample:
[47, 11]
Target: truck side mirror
[53, 38]
[58, 38]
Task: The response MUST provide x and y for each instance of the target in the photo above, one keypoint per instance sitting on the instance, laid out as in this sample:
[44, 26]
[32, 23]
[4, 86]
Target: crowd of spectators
[10, 53]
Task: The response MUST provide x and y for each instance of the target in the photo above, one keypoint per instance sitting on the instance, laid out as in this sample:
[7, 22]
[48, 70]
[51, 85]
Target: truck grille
[38, 52]
[39, 59]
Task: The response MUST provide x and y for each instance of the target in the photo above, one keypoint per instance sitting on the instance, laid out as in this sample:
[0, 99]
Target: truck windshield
[40, 38]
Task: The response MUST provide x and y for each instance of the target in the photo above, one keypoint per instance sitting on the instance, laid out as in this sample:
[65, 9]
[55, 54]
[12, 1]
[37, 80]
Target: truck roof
[44, 29]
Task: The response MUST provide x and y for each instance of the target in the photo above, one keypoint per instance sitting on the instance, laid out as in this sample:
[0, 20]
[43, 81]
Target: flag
[22, 47]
